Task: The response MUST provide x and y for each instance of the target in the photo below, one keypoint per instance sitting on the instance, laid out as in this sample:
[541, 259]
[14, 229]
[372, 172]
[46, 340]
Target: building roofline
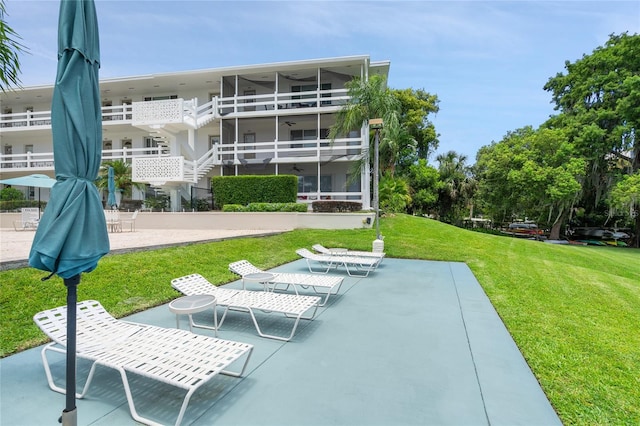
[340, 60]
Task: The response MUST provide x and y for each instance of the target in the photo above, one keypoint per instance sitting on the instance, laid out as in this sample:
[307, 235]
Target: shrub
[266, 207]
[336, 206]
[11, 194]
[233, 208]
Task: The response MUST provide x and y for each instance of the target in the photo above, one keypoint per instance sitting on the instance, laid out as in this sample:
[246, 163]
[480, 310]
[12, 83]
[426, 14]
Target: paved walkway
[415, 343]
[15, 245]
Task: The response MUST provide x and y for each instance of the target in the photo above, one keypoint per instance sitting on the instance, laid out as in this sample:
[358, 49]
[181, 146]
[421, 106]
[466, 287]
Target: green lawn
[573, 311]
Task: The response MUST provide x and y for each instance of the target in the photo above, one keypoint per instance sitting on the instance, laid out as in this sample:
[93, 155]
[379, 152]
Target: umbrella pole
[70, 415]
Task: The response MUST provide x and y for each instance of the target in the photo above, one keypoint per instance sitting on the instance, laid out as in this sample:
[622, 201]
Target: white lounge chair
[175, 357]
[346, 252]
[291, 305]
[350, 263]
[329, 284]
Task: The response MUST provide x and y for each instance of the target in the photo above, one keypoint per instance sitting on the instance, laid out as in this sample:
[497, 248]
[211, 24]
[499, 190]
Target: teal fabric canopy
[72, 234]
[35, 180]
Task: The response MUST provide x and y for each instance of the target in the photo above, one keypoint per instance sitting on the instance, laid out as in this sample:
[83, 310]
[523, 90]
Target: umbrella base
[69, 418]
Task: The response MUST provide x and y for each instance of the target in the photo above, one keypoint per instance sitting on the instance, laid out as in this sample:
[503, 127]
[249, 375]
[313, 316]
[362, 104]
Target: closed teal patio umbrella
[111, 186]
[72, 234]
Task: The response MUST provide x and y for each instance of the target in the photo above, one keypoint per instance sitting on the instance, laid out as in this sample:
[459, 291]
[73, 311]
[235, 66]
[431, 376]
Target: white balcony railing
[281, 101]
[188, 111]
[276, 151]
[44, 160]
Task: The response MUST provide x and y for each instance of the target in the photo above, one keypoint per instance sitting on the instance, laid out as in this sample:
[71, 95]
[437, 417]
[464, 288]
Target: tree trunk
[635, 241]
[555, 230]
[554, 234]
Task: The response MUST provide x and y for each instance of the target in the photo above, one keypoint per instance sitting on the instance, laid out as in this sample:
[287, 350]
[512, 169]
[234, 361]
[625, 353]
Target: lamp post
[376, 124]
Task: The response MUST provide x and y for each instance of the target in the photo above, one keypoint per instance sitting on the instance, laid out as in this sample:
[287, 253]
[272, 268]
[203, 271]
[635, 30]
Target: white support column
[191, 139]
[365, 182]
[174, 194]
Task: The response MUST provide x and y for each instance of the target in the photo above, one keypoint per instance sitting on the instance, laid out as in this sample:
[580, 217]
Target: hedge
[243, 190]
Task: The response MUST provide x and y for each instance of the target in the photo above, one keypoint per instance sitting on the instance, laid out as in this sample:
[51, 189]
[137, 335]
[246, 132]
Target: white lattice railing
[158, 112]
[157, 171]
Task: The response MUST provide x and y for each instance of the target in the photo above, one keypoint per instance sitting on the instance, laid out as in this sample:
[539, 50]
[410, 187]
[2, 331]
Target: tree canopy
[531, 174]
[599, 102]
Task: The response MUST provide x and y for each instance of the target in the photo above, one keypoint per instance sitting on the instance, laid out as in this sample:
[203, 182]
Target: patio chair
[346, 252]
[351, 263]
[175, 357]
[290, 305]
[130, 222]
[114, 224]
[329, 284]
[29, 219]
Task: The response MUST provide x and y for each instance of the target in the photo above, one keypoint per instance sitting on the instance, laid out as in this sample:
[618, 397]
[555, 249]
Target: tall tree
[421, 137]
[599, 101]
[625, 196]
[533, 173]
[424, 182]
[456, 186]
[10, 49]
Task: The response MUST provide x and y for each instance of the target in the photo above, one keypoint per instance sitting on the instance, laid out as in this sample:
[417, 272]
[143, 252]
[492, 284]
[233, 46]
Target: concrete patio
[415, 343]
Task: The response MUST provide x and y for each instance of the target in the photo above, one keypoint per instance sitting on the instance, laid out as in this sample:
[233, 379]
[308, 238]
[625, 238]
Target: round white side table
[263, 278]
[189, 305]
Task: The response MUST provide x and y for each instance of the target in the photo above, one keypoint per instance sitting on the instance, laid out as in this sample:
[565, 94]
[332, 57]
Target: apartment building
[178, 130]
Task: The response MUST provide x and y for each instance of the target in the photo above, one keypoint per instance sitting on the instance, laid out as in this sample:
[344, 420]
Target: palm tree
[122, 177]
[10, 48]
[458, 186]
[370, 99]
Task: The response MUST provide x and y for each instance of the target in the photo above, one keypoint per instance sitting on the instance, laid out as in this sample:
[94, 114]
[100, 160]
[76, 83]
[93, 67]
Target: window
[150, 143]
[107, 111]
[301, 135]
[160, 98]
[310, 183]
[213, 141]
[28, 149]
[325, 86]
[7, 111]
[250, 100]
[126, 106]
[107, 146]
[310, 88]
[307, 135]
[353, 185]
[249, 138]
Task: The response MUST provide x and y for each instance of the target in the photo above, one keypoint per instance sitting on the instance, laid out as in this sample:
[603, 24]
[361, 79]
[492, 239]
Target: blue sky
[487, 61]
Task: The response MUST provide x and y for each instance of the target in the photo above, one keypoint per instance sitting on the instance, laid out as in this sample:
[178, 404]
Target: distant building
[180, 129]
